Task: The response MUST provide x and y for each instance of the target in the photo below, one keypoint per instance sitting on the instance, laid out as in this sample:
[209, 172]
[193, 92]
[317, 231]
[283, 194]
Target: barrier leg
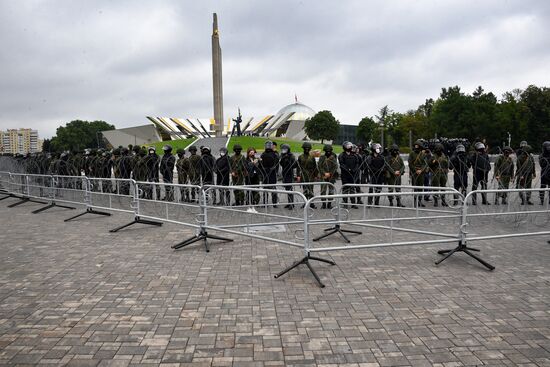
[337, 229]
[201, 236]
[463, 248]
[21, 201]
[306, 261]
[137, 220]
[52, 205]
[88, 211]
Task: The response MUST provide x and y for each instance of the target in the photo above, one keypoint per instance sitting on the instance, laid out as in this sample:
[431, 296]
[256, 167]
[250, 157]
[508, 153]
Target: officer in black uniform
[223, 171]
[269, 167]
[167, 164]
[349, 167]
[288, 166]
[481, 166]
[376, 165]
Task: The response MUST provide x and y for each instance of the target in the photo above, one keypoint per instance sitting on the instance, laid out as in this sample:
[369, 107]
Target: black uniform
[481, 166]
[167, 164]
[376, 167]
[544, 161]
[460, 165]
[349, 168]
[269, 166]
[207, 164]
[223, 171]
[288, 165]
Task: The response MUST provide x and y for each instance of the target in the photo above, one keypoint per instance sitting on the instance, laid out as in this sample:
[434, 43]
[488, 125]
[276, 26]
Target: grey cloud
[122, 60]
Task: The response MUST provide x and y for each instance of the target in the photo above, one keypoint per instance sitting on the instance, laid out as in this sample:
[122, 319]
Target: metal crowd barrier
[271, 213]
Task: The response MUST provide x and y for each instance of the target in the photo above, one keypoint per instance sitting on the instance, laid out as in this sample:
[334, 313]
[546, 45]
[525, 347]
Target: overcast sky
[120, 61]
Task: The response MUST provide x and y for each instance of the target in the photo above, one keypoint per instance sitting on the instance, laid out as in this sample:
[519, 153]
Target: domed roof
[301, 111]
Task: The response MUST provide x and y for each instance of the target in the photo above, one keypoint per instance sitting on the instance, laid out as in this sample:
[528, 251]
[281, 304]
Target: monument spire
[217, 78]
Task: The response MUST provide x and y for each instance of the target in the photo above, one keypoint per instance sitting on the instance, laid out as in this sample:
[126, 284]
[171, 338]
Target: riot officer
[481, 166]
[377, 166]
[269, 167]
[105, 171]
[439, 166]
[153, 163]
[136, 154]
[504, 171]
[253, 175]
[238, 172]
[544, 162]
[182, 166]
[140, 171]
[288, 166]
[194, 170]
[307, 170]
[461, 165]
[125, 170]
[328, 170]
[223, 168]
[167, 164]
[525, 173]
[395, 167]
[417, 169]
[349, 166]
[207, 164]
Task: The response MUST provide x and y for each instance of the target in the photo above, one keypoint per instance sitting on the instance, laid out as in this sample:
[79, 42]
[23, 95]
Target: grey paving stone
[75, 294]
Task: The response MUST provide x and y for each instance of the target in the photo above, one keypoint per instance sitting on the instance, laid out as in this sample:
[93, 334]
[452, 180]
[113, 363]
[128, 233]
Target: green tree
[78, 135]
[535, 108]
[366, 129]
[323, 126]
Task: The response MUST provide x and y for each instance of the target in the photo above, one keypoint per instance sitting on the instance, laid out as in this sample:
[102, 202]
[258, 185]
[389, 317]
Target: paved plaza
[75, 294]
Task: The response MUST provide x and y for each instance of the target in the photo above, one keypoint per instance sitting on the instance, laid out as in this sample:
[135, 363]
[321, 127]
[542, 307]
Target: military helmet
[546, 146]
[136, 149]
[507, 149]
[438, 147]
[180, 151]
[151, 149]
[142, 152]
[522, 144]
[205, 149]
[375, 146]
[306, 145]
[460, 148]
[237, 148]
[116, 151]
[347, 145]
[479, 145]
[394, 148]
[124, 151]
[192, 148]
[419, 142]
[327, 148]
[268, 145]
[167, 148]
[285, 146]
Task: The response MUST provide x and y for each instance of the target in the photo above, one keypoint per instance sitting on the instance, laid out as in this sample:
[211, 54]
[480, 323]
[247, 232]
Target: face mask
[284, 151]
[222, 154]
[317, 159]
[377, 150]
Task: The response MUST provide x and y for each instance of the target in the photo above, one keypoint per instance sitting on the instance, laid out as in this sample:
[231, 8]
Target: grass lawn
[257, 143]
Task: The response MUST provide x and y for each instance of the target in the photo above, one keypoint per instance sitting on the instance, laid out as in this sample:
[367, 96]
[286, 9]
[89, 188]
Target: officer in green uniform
[194, 172]
[328, 170]
[237, 164]
[182, 166]
[525, 173]
[395, 167]
[417, 169]
[439, 166]
[307, 170]
[504, 171]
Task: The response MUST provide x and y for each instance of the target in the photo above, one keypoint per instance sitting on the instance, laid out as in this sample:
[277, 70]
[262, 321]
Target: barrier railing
[288, 217]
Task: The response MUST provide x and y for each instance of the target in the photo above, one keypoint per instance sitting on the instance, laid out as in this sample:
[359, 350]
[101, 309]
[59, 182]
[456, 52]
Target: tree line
[480, 116]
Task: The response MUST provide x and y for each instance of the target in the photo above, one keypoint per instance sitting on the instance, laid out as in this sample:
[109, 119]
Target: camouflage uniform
[307, 170]
[394, 163]
[237, 164]
[504, 171]
[439, 165]
[328, 170]
[525, 173]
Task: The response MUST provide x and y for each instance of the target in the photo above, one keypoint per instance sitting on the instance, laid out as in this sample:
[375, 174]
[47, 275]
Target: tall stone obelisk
[217, 78]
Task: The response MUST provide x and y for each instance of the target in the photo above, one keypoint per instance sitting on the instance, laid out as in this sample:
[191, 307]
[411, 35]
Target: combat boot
[443, 202]
[391, 201]
[329, 205]
[324, 206]
[436, 202]
[377, 201]
[399, 203]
